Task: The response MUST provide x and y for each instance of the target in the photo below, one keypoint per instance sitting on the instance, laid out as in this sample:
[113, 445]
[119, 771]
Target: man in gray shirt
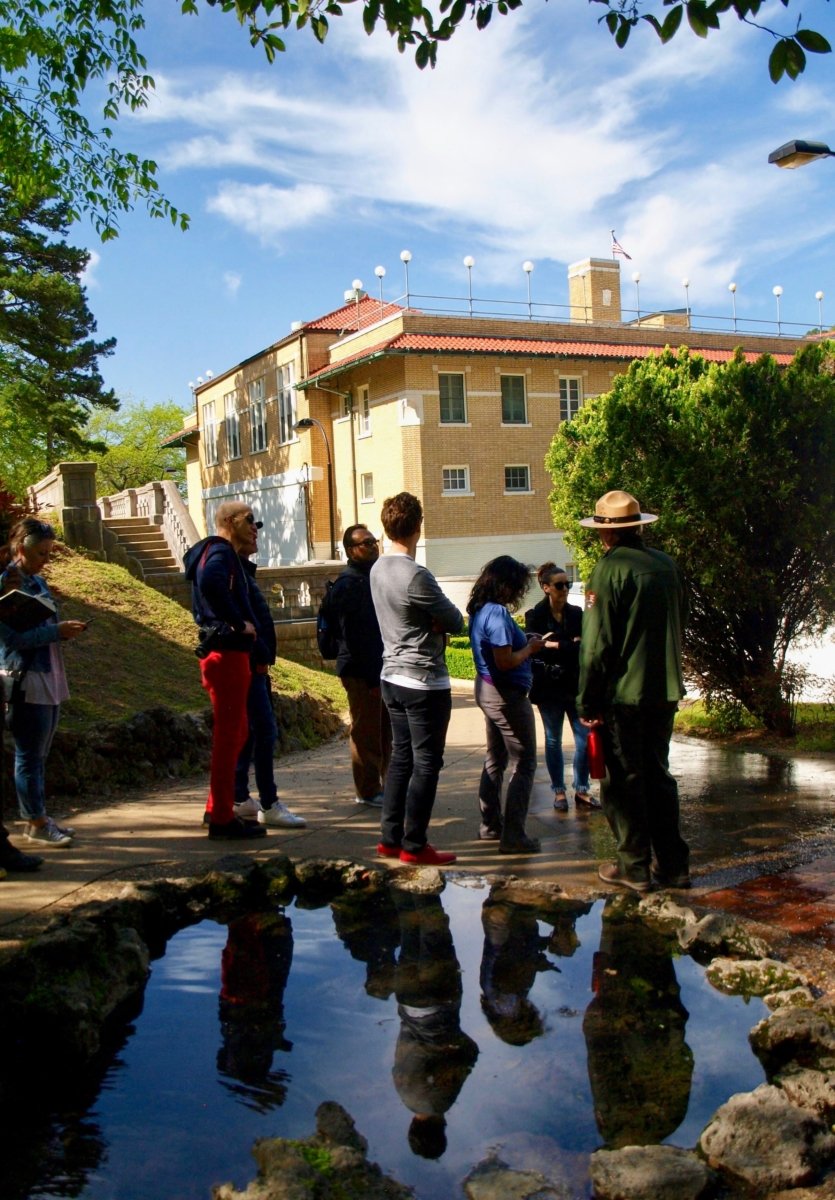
[414, 617]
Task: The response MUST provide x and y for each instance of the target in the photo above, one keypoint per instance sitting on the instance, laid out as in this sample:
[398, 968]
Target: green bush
[459, 658]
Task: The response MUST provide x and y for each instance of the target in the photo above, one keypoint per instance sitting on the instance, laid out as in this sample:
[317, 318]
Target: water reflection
[640, 1066]
[433, 1056]
[255, 965]
[513, 955]
[369, 930]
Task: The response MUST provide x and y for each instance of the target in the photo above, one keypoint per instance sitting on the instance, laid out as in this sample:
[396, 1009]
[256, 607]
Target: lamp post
[380, 272]
[798, 153]
[777, 292]
[406, 258]
[636, 279]
[527, 267]
[469, 263]
[685, 283]
[308, 423]
[819, 298]
[732, 290]
[356, 285]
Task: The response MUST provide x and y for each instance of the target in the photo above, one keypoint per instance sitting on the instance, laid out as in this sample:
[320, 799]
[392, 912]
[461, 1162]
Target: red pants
[226, 676]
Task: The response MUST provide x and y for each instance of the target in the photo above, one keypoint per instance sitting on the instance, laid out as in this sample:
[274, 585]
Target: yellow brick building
[459, 409]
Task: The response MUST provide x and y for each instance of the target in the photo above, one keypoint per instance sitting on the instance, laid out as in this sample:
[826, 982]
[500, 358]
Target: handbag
[11, 692]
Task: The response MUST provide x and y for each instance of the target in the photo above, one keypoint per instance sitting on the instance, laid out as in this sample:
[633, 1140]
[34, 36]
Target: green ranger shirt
[630, 652]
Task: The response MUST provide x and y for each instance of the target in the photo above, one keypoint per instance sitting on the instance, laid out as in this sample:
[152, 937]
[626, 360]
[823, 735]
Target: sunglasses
[368, 542]
[250, 520]
[563, 587]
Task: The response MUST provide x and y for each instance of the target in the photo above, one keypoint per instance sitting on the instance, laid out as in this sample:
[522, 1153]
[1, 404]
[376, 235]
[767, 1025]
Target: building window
[364, 406]
[455, 480]
[257, 417]
[571, 398]
[367, 487]
[210, 433]
[517, 479]
[233, 425]
[453, 405]
[571, 572]
[286, 403]
[513, 400]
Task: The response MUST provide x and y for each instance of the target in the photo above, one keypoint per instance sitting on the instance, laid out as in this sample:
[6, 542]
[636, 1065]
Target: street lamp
[636, 279]
[380, 272]
[527, 267]
[798, 153]
[469, 263]
[308, 423]
[777, 292]
[406, 258]
[732, 290]
[819, 298]
[685, 283]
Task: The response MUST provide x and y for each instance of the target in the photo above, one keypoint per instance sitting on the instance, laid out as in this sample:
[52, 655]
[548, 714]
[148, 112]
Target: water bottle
[594, 746]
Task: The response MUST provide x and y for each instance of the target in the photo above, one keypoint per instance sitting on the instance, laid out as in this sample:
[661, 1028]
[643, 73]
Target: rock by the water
[718, 934]
[760, 1137]
[804, 1036]
[649, 1173]
[752, 977]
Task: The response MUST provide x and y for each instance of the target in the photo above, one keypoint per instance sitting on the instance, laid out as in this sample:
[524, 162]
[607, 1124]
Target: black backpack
[327, 626]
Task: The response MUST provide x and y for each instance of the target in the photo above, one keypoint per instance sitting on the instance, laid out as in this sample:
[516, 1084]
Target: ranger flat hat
[617, 510]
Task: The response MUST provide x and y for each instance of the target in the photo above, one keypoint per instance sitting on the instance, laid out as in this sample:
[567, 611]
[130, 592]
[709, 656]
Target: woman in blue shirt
[503, 679]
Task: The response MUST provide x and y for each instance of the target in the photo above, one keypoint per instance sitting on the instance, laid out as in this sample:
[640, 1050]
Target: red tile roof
[368, 310]
[425, 343]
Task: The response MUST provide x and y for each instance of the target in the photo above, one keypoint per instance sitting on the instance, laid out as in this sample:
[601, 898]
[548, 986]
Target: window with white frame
[233, 425]
[455, 481]
[257, 416]
[514, 411]
[364, 409]
[367, 486]
[571, 397]
[517, 478]
[210, 433]
[286, 400]
[452, 399]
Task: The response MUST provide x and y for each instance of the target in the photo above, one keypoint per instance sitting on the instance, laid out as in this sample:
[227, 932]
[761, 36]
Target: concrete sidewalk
[159, 832]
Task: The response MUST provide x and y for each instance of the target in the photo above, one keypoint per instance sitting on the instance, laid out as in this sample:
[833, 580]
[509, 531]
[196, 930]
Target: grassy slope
[139, 651]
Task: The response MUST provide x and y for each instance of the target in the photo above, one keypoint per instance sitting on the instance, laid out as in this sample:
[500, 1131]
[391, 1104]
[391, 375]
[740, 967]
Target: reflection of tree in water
[513, 956]
[369, 929]
[433, 1056]
[255, 966]
[640, 1066]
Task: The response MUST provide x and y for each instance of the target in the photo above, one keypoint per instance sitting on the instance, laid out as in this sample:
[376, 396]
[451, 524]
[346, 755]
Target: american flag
[617, 248]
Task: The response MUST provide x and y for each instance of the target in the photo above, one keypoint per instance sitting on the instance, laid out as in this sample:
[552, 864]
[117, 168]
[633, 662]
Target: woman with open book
[32, 658]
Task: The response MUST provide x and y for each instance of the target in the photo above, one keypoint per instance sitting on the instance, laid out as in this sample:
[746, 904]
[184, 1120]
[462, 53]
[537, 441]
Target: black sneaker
[236, 829]
[681, 880]
[12, 859]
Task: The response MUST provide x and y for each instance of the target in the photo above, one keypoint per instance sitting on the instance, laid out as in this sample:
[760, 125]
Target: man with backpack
[348, 631]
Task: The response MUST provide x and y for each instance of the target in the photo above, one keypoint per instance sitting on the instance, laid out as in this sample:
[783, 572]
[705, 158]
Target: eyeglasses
[563, 587]
[367, 542]
[250, 520]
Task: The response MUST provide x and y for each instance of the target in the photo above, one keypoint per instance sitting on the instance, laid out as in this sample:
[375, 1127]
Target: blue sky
[530, 141]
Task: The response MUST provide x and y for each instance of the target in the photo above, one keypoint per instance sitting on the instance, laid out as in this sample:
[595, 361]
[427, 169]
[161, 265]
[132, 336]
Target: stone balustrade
[161, 503]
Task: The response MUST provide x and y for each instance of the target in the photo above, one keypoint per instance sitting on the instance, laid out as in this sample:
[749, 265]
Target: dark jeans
[639, 795]
[511, 741]
[553, 714]
[259, 748]
[33, 728]
[419, 722]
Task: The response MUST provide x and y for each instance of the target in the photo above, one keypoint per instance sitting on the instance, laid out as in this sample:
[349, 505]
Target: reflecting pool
[450, 1027]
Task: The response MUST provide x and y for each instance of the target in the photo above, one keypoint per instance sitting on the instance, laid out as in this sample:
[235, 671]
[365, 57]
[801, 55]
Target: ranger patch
[591, 598]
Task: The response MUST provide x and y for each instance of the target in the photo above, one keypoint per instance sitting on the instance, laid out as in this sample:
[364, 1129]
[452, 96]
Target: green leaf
[483, 15]
[671, 23]
[622, 35]
[697, 17]
[795, 59]
[777, 61]
[612, 22]
[812, 41]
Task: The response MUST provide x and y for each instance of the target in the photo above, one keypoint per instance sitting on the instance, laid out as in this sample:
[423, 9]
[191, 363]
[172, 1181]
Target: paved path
[160, 832]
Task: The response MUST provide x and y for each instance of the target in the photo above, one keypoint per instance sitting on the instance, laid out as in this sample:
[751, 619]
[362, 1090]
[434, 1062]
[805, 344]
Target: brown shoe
[610, 873]
[560, 802]
[587, 800]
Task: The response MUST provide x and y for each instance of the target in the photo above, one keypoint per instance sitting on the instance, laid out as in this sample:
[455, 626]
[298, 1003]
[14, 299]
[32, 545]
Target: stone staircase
[145, 542]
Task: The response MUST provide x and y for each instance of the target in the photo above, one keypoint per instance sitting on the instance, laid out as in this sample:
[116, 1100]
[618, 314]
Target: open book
[21, 611]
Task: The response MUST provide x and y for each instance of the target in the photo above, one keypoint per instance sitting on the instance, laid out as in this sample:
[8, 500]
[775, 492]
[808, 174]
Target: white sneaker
[48, 833]
[248, 810]
[281, 816]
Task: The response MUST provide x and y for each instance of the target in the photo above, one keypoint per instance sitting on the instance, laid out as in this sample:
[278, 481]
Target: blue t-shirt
[493, 626]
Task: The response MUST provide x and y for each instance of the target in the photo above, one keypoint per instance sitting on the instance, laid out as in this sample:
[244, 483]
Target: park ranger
[630, 686]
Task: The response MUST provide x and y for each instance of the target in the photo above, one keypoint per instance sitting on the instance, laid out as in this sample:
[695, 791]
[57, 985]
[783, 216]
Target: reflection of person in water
[433, 1056]
[369, 929]
[513, 955]
[254, 969]
[640, 1066]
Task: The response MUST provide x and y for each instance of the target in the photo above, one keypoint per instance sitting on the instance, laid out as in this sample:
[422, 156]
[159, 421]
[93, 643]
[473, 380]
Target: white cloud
[268, 212]
[232, 282]
[88, 275]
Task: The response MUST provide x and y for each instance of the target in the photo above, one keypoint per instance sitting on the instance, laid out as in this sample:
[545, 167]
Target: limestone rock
[420, 880]
[662, 911]
[761, 1138]
[718, 934]
[649, 1173]
[798, 997]
[752, 977]
[810, 1089]
[803, 1036]
[494, 1180]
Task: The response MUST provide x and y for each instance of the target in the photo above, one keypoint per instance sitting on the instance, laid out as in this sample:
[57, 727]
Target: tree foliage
[737, 461]
[49, 376]
[53, 53]
[132, 453]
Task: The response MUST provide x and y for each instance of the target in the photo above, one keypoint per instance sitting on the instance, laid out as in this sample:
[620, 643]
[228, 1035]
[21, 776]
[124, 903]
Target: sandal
[586, 800]
[560, 801]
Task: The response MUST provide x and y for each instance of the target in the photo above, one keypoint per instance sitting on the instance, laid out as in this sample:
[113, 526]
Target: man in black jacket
[359, 663]
[226, 627]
